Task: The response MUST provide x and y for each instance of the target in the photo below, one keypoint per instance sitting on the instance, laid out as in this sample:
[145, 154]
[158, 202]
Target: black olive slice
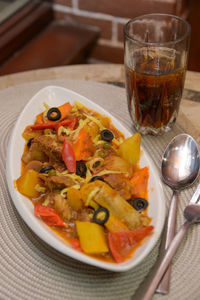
[106, 135]
[56, 114]
[46, 169]
[97, 212]
[29, 142]
[81, 168]
[96, 178]
[138, 203]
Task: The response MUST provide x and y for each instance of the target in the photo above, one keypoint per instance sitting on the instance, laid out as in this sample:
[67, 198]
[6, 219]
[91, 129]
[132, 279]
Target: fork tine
[196, 196]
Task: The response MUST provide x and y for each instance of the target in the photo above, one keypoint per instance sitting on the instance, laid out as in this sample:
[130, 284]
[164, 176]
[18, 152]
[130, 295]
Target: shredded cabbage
[92, 162]
[100, 142]
[47, 107]
[62, 129]
[46, 202]
[78, 104]
[88, 175]
[118, 142]
[48, 132]
[105, 172]
[82, 123]
[75, 177]
[40, 189]
[96, 139]
[91, 196]
[95, 120]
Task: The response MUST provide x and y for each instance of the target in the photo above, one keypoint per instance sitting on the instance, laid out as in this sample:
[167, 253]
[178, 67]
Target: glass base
[155, 131]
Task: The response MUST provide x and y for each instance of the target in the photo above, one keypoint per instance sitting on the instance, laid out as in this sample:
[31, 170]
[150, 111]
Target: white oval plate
[55, 96]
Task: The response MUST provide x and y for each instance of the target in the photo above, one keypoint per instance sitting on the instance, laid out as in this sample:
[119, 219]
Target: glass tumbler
[155, 57]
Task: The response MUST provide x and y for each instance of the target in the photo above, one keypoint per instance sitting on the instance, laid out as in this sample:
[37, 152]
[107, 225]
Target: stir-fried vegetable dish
[84, 180]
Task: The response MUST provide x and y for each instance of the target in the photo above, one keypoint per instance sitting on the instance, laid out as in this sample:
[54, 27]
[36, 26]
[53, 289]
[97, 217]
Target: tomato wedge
[76, 244]
[68, 157]
[121, 243]
[49, 215]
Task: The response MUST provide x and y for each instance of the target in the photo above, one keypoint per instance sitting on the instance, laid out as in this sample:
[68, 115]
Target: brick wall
[110, 16]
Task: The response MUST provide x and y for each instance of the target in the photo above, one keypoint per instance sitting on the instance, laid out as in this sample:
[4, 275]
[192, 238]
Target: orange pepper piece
[140, 183]
[83, 146]
[64, 109]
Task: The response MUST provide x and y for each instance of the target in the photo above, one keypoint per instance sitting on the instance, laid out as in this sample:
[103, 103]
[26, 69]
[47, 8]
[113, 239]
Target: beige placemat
[30, 269]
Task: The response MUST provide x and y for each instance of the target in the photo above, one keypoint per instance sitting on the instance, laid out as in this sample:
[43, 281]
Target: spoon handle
[148, 287]
[163, 287]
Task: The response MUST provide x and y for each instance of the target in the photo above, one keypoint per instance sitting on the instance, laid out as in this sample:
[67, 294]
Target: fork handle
[163, 287]
[149, 285]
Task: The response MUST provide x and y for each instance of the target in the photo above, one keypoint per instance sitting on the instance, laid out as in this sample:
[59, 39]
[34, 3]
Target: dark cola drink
[154, 87]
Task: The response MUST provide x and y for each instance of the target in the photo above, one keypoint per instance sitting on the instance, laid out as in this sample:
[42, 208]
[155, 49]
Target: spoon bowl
[180, 168]
[180, 162]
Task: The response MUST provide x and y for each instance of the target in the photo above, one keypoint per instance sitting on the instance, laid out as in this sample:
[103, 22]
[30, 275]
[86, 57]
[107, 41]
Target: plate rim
[35, 227]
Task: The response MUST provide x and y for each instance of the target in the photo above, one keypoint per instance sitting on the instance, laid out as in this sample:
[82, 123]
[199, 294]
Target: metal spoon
[192, 215]
[182, 148]
[180, 167]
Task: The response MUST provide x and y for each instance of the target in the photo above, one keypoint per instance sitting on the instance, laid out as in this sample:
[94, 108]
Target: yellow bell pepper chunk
[130, 149]
[74, 199]
[92, 237]
[26, 183]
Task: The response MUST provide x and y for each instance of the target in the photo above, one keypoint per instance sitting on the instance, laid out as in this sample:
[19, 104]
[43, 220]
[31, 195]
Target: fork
[192, 215]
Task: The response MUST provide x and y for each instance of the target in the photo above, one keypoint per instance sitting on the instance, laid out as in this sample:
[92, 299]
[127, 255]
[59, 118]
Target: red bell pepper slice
[49, 215]
[121, 243]
[68, 122]
[69, 157]
[72, 126]
[43, 126]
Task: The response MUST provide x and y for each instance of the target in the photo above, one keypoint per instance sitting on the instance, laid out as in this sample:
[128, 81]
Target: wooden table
[189, 112]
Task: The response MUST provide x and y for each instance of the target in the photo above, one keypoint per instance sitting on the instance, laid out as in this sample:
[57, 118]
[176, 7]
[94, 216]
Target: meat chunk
[26, 157]
[57, 182]
[57, 202]
[33, 165]
[34, 153]
[120, 183]
[62, 208]
[51, 147]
